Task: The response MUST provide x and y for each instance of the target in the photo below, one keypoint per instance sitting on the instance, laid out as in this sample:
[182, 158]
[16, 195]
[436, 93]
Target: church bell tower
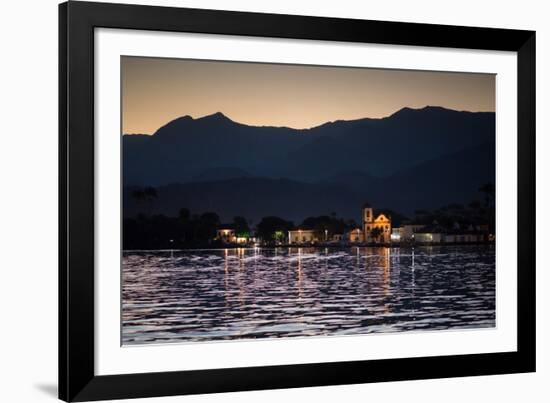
[367, 214]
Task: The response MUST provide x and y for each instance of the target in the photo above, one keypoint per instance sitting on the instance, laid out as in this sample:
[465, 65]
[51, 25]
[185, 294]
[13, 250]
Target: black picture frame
[77, 379]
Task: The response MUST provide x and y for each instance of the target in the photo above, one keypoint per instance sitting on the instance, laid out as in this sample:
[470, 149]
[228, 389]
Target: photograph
[267, 200]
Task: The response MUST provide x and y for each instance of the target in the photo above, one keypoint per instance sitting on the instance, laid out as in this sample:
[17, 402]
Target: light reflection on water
[201, 295]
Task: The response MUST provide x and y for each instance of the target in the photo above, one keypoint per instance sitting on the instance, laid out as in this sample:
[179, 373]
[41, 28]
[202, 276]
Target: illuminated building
[356, 235]
[302, 236]
[377, 228]
[226, 235]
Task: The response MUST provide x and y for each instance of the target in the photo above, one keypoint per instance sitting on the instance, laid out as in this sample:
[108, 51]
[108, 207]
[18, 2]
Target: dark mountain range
[220, 173]
[411, 160]
[454, 178]
[186, 149]
[252, 198]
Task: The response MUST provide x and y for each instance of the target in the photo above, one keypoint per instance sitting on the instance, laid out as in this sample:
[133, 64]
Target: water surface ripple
[200, 295]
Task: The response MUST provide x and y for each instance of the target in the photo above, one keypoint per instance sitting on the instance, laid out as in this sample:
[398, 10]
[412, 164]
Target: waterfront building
[226, 234]
[407, 231]
[376, 228]
[395, 235]
[356, 235]
[429, 234]
[429, 237]
[465, 237]
[302, 236]
[437, 234]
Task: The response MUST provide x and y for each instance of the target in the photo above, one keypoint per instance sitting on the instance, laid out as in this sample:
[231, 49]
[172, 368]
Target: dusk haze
[157, 90]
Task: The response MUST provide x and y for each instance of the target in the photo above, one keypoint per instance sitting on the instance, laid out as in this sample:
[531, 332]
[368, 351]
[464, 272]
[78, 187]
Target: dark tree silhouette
[325, 226]
[206, 226]
[268, 227]
[241, 226]
[184, 215]
[375, 233]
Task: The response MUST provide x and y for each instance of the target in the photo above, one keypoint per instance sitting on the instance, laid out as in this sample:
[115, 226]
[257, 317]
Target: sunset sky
[157, 90]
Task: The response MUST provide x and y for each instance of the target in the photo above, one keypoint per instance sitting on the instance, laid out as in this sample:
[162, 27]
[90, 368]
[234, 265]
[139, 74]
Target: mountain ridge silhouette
[185, 147]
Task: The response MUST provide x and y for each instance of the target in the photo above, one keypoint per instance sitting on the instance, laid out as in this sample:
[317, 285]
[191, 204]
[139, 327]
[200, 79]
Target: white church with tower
[376, 229]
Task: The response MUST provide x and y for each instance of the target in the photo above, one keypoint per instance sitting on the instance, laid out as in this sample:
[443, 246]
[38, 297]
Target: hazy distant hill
[252, 198]
[220, 173]
[454, 178]
[186, 148]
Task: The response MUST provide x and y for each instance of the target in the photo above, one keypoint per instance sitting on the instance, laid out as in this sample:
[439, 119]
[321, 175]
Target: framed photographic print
[255, 201]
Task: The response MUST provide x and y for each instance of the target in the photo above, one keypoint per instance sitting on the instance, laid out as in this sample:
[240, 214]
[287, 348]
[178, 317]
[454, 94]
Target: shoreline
[316, 246]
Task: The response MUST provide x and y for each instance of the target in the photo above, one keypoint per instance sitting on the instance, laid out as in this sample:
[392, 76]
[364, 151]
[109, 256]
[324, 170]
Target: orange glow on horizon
[158, 90]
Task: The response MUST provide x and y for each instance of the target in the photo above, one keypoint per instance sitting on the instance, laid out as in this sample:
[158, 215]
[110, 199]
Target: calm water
[255, 293]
